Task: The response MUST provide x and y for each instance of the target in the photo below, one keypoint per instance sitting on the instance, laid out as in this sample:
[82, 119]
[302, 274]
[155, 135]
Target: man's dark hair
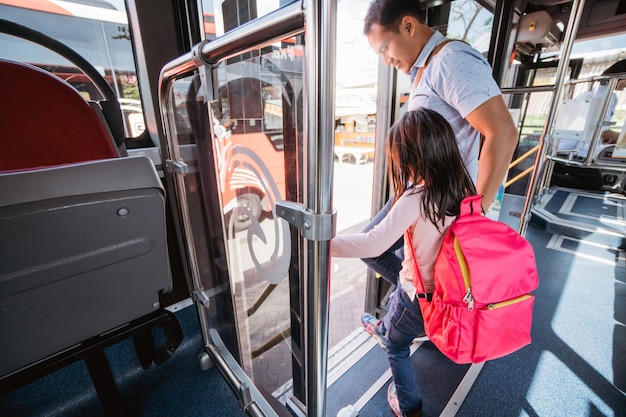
[618, 67]
[388, 13]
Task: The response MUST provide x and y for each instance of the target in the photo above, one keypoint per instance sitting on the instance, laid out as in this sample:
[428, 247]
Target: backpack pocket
[502, 328]
[450, 328]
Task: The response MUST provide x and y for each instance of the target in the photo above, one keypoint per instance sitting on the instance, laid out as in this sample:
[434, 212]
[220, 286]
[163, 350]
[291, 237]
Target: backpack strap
[417, 279]
[418, 77]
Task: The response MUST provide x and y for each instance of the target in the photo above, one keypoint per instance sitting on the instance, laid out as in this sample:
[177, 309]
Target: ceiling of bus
[599, 18]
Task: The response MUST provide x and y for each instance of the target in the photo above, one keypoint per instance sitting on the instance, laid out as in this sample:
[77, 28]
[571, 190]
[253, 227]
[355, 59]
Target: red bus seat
[46, 122]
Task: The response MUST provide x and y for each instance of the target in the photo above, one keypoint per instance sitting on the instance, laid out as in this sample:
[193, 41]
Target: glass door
[249, 124]
[255, 149]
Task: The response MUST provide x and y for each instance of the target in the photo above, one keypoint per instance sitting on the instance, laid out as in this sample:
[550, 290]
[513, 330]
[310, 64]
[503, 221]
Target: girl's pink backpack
[481, 308]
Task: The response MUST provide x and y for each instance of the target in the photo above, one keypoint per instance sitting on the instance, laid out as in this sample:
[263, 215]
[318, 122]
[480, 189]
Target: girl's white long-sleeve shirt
[407, 211]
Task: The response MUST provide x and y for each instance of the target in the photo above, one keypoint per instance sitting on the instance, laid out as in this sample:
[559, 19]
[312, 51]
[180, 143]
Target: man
[456, 82]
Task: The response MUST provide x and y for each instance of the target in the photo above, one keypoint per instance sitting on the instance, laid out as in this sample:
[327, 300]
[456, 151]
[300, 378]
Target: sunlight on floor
[575, 399]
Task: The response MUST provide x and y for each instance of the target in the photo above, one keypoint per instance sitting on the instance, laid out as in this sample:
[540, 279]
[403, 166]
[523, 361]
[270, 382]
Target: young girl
[430, 181]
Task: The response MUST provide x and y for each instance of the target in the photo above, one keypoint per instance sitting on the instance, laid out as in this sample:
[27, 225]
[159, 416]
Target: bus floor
[575, 365]
[175, 388]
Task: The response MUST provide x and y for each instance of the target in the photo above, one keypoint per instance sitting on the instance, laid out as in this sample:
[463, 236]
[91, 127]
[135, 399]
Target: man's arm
[493, 120]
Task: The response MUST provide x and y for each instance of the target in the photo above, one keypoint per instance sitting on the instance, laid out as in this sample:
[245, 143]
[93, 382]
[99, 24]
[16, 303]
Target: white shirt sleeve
[376, 241]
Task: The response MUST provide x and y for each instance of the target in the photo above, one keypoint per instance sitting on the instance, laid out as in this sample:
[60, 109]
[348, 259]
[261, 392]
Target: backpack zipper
[469, 298]
[493, 306]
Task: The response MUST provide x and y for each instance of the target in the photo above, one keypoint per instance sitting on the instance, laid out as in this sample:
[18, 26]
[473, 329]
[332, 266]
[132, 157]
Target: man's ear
[407, 25]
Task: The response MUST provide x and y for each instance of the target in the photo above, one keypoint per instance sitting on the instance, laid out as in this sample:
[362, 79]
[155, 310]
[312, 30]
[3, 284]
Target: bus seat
[83, 250]
[83, 246]
[46, 122]
[575, 124]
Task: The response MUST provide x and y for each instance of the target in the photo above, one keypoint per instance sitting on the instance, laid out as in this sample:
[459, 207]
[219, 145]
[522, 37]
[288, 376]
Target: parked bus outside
[99, 32]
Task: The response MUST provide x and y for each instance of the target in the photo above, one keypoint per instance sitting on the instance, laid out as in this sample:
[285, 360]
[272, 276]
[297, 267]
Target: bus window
[222, 16]
[471, 22]
[98, 32]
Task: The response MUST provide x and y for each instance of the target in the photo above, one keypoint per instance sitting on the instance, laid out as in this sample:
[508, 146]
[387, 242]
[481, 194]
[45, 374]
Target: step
[597, 217]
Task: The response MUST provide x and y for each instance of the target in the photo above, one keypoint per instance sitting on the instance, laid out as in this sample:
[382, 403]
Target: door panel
[250, 128]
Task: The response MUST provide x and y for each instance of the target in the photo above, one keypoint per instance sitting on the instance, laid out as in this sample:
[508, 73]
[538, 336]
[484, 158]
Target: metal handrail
[534, 89]
[519, 176]
[319, 128]
[522, 157]
[523, 173]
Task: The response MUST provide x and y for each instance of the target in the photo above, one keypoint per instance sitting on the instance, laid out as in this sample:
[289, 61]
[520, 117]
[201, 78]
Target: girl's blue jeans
[403, 322]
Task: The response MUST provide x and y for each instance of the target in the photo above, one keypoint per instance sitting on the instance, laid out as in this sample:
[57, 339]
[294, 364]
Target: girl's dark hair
[422, 145]
[389, 13]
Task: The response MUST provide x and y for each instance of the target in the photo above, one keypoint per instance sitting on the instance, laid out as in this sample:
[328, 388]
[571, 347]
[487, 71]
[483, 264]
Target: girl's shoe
[394, 404]
[372, 325]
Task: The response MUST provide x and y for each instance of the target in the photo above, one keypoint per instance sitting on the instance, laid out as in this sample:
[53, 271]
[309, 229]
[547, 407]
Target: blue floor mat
[177, 387]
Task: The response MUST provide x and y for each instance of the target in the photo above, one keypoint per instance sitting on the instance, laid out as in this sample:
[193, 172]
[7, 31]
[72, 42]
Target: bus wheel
[252, 203]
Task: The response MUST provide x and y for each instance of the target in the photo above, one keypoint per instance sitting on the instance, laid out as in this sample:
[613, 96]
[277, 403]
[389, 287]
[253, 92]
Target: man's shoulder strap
[434, 52]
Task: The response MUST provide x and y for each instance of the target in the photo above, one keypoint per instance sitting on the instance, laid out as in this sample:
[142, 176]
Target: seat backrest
[83, 250]
[45, 122]
[576, 123]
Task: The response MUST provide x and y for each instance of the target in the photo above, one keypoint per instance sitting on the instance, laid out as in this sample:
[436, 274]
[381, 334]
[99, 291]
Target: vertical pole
[540, 173]
[319, 122]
